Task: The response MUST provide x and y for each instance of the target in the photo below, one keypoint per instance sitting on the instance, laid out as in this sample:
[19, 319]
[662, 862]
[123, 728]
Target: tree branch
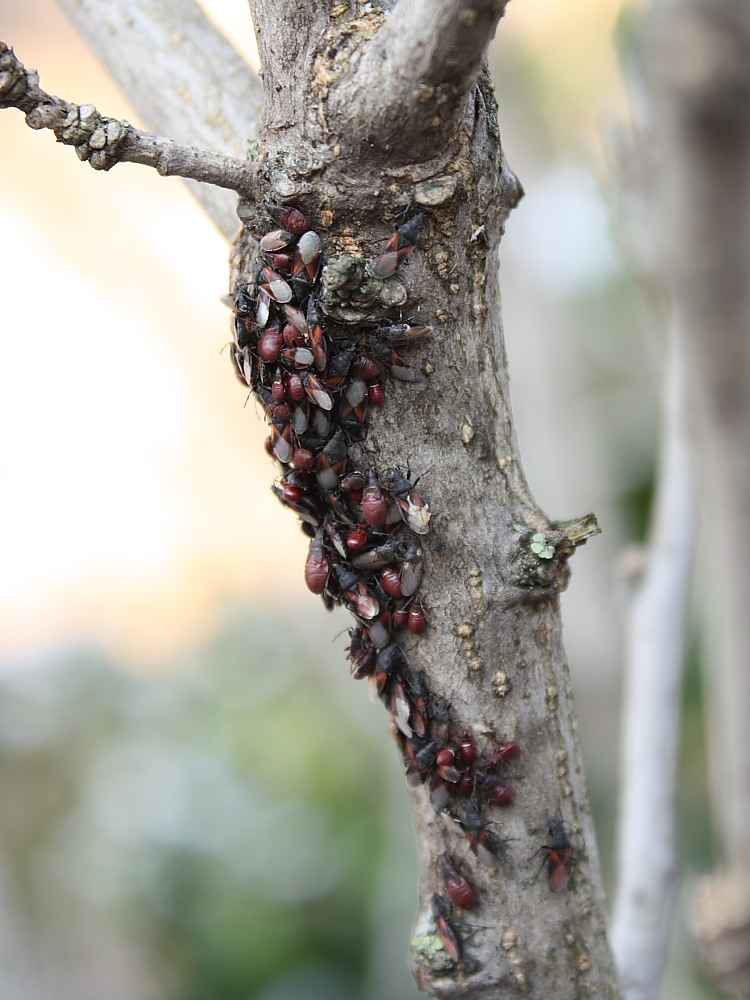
[647, 867]
[490, 668]
[104, 142]
[702, 62]
[182, 76]
[410, 85]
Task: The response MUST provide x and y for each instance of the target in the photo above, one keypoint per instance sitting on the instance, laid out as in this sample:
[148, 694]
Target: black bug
[445, 929]
[398, 247]
[560, 858]
[485, 844]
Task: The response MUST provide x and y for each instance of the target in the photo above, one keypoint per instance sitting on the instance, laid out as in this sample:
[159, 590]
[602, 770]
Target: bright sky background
[135, 490]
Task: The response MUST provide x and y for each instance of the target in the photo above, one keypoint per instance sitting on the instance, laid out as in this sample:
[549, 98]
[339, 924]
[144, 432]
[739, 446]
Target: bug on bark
[502, 752]
[317, 566]
[446, 931]
[288, 217]
[398, 247]
[361, 654]
[560, 858]
[485, 844]
[496, 791]
[418, 622]
[458, 887]
[467, 747]
[374, 501]
[307, 255]
[412, 505]
[277, 239]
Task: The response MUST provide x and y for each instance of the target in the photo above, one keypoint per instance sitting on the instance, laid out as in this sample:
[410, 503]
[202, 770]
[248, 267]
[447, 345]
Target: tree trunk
[372, 116]
[391, 125]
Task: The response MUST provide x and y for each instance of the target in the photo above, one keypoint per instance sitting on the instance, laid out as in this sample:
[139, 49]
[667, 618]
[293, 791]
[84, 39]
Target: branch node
[95, 137]
[542, 557]
[16, 82]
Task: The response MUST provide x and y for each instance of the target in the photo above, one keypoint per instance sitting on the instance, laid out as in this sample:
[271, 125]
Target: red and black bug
[501, 752]
[418, 622]
[400, 705]
[277, 239]
[318, 565]
[270, 345]
[331, 463]
[412, 505]
[467, 747]
[398, 247]
[361, 654]
[292, 220]
[307, 255]
[376, 393]
[482, 841]
[374, 501]
[445, 930]
[420, 718]
[391, 582]
[355, 593]
[400, 333]
[357, 538]
[496, 791]
[560, 857]
[419, 756]
[379, 556]
[459, 888]
[380, 630]
[411, 568]
[397, 366]
[282, 444]
[275, 285]
[465, 784]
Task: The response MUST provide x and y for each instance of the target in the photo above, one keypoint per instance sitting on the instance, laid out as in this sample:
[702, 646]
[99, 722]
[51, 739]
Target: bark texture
[391, 125]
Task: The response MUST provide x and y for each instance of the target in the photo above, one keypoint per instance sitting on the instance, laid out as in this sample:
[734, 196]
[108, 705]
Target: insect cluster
[316, 377]
[316, 380]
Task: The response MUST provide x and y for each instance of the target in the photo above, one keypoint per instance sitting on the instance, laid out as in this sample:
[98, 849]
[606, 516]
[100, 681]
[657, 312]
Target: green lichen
[427, 949]
[541, 546]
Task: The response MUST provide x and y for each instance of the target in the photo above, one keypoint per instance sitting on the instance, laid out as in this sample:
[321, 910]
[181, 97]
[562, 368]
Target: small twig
[655, 648]
[103, 141]
[182, 76]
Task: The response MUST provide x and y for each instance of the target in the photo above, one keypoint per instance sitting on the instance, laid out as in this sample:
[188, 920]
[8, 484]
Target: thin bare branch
[182, 76]
[414, 75]
[655, 651]
[104, 142]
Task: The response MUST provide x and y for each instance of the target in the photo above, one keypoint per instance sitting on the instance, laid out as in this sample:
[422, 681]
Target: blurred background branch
[655, 649]
[701, 61]
[184, 78]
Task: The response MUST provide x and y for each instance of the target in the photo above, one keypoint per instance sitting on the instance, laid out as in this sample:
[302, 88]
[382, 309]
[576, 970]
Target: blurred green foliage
[227, 826]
